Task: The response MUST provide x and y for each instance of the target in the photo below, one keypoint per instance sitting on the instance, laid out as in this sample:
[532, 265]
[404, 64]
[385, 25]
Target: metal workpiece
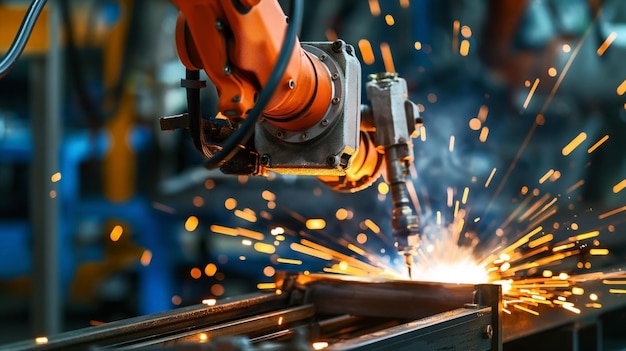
[328, 147]
[309, 310]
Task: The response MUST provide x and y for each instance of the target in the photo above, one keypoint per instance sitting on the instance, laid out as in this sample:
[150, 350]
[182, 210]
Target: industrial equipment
[309, 113]
[311, 312]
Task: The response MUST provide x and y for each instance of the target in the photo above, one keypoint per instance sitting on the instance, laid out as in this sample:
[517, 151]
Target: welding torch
[291, 107]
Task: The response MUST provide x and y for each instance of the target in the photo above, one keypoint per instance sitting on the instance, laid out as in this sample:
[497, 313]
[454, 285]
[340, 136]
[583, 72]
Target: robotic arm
[312, 124]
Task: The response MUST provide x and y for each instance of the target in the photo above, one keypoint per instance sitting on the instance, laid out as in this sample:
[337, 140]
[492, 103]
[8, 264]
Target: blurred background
[104, 217]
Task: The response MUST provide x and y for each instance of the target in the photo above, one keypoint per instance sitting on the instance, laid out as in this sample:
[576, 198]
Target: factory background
[516, 97]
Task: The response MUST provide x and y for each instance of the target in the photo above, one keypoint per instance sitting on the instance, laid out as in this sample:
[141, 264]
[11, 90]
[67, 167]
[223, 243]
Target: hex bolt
[332, 160]
[337, 46]
[279, 134]
[228, 70]
[324, 122]
[323, 57]
[336, 100]
[488, 332]
[304, 136]
[219, 25]
[265, 160]
[335, 76]
[291, 84]
[236, 98]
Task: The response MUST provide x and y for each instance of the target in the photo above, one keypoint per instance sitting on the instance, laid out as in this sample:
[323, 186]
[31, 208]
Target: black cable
[244, 132]
[21, 38]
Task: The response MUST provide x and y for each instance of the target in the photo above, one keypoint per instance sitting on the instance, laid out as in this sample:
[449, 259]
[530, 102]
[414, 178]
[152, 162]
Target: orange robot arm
[237, 46]
[310, 125]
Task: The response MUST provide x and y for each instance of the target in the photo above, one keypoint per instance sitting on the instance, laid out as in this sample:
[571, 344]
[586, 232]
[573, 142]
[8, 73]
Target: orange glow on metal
[266, 286]
[528, 310]
[606, 43]
[567, 149]
[385, 50]
[209, 302]
[315, 224]
[319, 345]
[597, 144]
[41, 340]
[531, 93]
[367, 53]
[116, 233]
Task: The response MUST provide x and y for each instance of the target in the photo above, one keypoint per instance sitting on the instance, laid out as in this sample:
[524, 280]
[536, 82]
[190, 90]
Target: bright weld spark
[385, 50]
[531, 93]
[606, 43]
[595, 146]
[456, 26]
[540, 115]
[621, 89]
[493, 172]
[576, 185]
[374, 7]
[367, 53]
[567, 149]
[465, 195]
[619, 186]
[612, 212]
